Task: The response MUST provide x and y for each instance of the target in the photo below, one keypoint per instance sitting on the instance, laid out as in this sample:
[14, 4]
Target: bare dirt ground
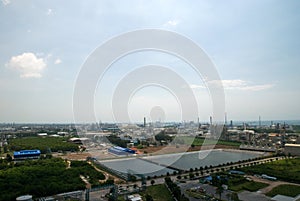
[73, 156]
[272, 184]
[100, 154]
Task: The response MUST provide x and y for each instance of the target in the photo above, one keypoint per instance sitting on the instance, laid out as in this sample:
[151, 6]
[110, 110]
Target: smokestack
[210, 120]
[144, 121]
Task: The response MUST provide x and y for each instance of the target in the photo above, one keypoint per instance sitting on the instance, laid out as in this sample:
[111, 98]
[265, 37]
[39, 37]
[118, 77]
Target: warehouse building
[27, 154]
[120, 151]
[293, 149]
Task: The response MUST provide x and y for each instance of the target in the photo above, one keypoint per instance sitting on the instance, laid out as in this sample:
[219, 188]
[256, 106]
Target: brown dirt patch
[74, 156]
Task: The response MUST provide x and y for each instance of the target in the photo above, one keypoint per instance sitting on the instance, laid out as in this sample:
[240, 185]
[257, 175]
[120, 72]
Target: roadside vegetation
[44, 177]
[239, 183]
[175, 189]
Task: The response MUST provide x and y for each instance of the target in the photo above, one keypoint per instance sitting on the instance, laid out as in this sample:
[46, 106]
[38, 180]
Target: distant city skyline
[254, 45]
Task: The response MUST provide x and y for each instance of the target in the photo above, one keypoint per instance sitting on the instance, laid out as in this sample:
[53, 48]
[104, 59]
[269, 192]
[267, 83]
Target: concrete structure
[81, 140]
[24, 198]
[134, 197]
[293, 149]
[285, 198]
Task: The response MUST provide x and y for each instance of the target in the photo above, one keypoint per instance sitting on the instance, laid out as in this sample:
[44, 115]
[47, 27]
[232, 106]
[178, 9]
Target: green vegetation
[43, 177]
[175, 189]
[296, 128]
[158, 192]
[287, 169]
[45, 144]
[285, 189]
[86, 170]
[198, 141]
[117, 141]
[236, 182]
[246, 185]
[163, 137]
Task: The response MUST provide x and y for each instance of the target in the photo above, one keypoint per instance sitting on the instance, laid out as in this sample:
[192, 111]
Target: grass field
[287, 169]
[249, 186]
[199, 141]
[158, 192]
[44, 144]
[286, 189]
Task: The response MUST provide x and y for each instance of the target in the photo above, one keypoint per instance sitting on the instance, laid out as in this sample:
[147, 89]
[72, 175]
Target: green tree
[234, 196]
[219, 191]
[149, 197]
[8, 158]
[5, 149]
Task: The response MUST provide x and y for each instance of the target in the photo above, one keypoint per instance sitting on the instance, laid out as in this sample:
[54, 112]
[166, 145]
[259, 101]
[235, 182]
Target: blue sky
[254, 45]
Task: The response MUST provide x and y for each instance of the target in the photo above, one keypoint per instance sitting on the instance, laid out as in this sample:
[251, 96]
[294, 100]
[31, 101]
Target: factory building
[120, 151]
[293, 149]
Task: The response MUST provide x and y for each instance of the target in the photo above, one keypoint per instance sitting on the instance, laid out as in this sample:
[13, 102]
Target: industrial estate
[150, 161]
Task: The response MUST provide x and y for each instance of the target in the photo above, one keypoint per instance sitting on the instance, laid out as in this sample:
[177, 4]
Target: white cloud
[31, 75]
[6, 2]
[49, 11]
[28, 64]
[258, 87]
[172, 23]
[57, 61]
[236, 84]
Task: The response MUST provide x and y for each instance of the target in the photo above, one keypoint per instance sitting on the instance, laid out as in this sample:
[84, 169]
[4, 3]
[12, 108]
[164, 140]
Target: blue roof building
[27, 154]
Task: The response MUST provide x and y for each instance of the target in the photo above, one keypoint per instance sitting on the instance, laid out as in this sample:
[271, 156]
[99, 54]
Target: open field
[286, 170]
[285, 189]
[247, 185]
[45, 144]
[158, 193]
[197, 141]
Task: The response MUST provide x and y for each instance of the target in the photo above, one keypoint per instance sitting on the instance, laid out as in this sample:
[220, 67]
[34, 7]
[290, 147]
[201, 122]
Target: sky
[253, 44]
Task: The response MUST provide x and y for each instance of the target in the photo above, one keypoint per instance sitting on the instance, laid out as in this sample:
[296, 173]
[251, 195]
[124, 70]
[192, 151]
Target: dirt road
[272, 184]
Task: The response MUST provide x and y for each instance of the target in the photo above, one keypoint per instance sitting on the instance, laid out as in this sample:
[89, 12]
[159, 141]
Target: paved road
[246, 196]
